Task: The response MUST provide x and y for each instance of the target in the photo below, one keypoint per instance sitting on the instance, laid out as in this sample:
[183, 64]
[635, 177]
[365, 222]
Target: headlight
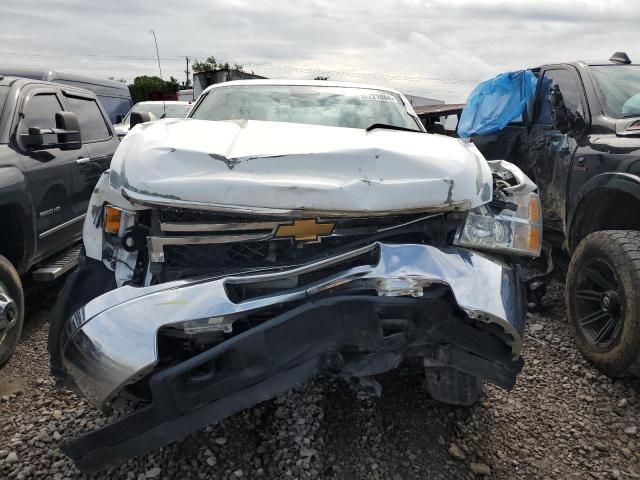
[120, 242]
[512, 227]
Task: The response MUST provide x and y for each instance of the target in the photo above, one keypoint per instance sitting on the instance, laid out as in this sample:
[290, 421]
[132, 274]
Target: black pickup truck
[580, 142]
[55, 142]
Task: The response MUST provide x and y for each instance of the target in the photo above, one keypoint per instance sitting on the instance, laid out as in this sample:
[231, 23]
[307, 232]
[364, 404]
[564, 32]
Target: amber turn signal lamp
[112, 216]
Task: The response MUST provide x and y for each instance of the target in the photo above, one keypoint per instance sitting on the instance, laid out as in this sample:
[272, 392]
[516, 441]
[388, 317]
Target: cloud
[434, 48]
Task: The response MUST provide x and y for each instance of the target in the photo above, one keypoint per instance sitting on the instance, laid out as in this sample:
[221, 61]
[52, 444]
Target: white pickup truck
[281, 230]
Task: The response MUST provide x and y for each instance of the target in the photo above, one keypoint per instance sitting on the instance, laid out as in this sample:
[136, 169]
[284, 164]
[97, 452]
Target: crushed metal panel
[292, 166]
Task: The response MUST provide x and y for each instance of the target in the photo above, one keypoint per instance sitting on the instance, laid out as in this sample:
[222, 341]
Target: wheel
[448, 385]
[11, 309]
[603, 301]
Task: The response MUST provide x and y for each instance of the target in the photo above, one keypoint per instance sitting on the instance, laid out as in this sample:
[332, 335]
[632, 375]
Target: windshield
[316, 105]
[157, 110]
[619, 88]
[115, 106]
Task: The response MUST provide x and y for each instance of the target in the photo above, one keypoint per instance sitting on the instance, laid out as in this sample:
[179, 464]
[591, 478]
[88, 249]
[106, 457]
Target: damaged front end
[358, 314]
[215, 311]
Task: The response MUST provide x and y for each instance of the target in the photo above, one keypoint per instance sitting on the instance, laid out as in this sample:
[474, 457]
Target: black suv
[581, 145]
[55, 142]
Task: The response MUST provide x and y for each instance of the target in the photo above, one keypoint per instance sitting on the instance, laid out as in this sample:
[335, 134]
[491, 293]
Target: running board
[58, 266]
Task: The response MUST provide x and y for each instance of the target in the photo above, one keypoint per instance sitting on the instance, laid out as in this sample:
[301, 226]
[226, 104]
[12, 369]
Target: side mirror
[567, 121]
[559, 111]
[139, 117]
[119, 118]
[578, 125]
[67, 131]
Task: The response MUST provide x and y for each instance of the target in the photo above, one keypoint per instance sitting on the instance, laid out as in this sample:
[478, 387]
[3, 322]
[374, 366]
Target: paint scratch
[450, 192]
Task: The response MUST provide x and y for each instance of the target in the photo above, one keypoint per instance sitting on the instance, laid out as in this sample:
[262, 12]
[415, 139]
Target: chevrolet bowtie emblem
[305, 230]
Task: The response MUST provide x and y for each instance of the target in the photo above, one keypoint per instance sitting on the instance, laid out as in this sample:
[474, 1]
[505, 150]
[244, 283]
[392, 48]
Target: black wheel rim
[598, 298]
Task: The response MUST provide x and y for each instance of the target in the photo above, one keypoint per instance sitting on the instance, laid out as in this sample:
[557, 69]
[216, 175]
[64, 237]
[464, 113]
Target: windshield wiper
[391, 127]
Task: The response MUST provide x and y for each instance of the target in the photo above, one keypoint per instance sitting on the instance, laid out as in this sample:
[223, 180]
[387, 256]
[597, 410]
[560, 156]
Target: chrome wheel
[9, 313]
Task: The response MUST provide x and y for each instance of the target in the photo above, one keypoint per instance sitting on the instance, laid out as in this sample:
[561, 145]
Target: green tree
[173, 85]
[211, 64]
[143, 86]
[208, 65]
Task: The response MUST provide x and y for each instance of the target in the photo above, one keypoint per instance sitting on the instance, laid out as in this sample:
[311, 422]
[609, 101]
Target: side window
[115, 106]
[92, 124]
[556, 82]
[40, 111]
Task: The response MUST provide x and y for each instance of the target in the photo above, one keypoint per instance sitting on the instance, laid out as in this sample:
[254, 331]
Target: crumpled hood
[287, 166]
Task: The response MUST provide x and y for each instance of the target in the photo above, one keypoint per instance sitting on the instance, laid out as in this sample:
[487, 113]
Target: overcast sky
[432, 48]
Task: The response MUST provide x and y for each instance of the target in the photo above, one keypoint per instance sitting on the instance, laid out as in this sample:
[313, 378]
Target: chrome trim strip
[271, 226]
[410, 222]
[151, 201]
[57, 228]
[217, 227]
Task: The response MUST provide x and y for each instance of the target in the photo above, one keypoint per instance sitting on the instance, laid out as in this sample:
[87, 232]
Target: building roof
[442, 109]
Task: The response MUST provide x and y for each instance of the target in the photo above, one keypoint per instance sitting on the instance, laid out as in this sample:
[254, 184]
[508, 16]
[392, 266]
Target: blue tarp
[495, 103]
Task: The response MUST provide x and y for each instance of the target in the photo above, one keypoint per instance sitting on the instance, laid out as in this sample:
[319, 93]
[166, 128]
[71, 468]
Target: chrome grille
[189, 242]
[221, 256]
[246, 255]
[187, 215]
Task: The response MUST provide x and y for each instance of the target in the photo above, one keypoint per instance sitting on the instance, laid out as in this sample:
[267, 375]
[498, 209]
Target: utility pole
[188, 84]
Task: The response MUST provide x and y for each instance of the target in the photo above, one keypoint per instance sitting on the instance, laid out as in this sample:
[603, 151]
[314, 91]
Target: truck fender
[617, 181]
[13, 191]
[11, 178]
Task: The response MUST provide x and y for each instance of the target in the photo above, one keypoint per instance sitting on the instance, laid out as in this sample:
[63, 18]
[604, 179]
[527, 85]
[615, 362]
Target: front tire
[89, 280]
[11, 309]
[603, 301]
[448, 385]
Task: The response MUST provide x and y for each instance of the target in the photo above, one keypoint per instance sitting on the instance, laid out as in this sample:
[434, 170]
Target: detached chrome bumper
[112, 341]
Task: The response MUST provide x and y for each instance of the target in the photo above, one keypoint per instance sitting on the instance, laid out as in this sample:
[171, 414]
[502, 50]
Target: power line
[351, 73]
[86, 56]
[412, 78]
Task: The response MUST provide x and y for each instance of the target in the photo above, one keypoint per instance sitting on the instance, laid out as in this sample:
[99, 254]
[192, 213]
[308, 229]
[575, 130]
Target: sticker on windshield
[379, 97]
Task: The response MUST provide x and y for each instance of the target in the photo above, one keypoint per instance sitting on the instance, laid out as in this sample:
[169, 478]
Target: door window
[92, 124]
[40, 111]
[564, 82]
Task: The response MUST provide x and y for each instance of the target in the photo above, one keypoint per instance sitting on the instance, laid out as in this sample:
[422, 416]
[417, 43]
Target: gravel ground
[563, 420]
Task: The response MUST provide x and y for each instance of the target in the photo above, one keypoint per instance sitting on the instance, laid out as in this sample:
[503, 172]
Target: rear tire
[11, 286]
[603, 301]
[448, 385]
